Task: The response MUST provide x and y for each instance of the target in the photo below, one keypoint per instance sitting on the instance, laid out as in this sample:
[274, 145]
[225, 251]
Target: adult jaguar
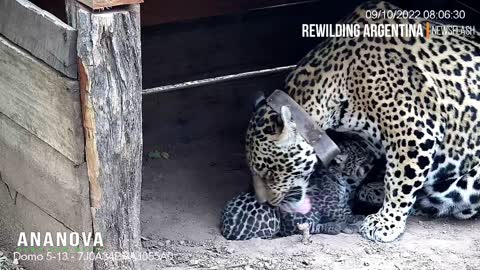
[330, 193]
[413, 99]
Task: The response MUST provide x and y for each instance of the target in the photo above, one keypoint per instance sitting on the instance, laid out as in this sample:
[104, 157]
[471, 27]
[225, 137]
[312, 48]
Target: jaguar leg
[407, 167]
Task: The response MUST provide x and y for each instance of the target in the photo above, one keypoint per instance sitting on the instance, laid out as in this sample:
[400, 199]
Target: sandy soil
[425, 245]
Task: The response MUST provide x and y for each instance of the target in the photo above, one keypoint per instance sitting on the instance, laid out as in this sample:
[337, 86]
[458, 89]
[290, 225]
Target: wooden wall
[217, 46]
[43, 174]
[41, 142]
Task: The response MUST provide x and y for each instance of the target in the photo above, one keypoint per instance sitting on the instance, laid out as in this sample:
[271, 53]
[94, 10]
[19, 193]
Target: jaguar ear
[287, 135]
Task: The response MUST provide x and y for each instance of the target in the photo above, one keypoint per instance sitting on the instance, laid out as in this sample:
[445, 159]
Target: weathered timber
[110, 85]
[44, 176]
[101, 4]
[40, 33]
[21, 215]
[41, 100]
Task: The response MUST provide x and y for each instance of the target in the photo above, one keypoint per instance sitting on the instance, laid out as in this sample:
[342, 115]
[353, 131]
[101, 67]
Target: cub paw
[353, 224]
[351, 228]
[380, 229]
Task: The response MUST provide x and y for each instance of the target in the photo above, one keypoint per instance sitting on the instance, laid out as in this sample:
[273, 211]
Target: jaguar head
[280, 159]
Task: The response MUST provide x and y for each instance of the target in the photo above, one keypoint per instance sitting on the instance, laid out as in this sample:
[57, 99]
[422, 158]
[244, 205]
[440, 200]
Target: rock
[263, 258]
[165, 155]
[193, 262]
[268, 266]
[305, 262]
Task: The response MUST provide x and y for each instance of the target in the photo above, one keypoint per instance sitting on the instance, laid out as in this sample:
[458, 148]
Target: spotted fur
[414, 100]
[330, 191]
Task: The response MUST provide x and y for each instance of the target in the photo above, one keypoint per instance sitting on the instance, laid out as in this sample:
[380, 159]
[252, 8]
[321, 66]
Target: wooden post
[109, 67]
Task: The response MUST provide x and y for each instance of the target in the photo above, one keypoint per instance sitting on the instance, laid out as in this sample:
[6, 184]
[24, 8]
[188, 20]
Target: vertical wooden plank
[110, 84]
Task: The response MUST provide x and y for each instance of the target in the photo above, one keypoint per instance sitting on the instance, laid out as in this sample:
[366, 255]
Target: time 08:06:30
[415, 14]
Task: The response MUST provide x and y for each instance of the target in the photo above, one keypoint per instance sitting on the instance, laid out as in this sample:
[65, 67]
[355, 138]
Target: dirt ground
[183, 197]
[439, 245]
[192, 167]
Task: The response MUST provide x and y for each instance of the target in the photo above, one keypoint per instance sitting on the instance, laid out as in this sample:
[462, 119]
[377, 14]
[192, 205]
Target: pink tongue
[305, 207]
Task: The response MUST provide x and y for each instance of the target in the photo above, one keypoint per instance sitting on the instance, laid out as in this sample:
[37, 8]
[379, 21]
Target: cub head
[355, 160]
[279, 158]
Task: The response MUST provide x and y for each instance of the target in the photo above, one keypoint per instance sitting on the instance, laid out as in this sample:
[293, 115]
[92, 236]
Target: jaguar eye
[257, 169]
